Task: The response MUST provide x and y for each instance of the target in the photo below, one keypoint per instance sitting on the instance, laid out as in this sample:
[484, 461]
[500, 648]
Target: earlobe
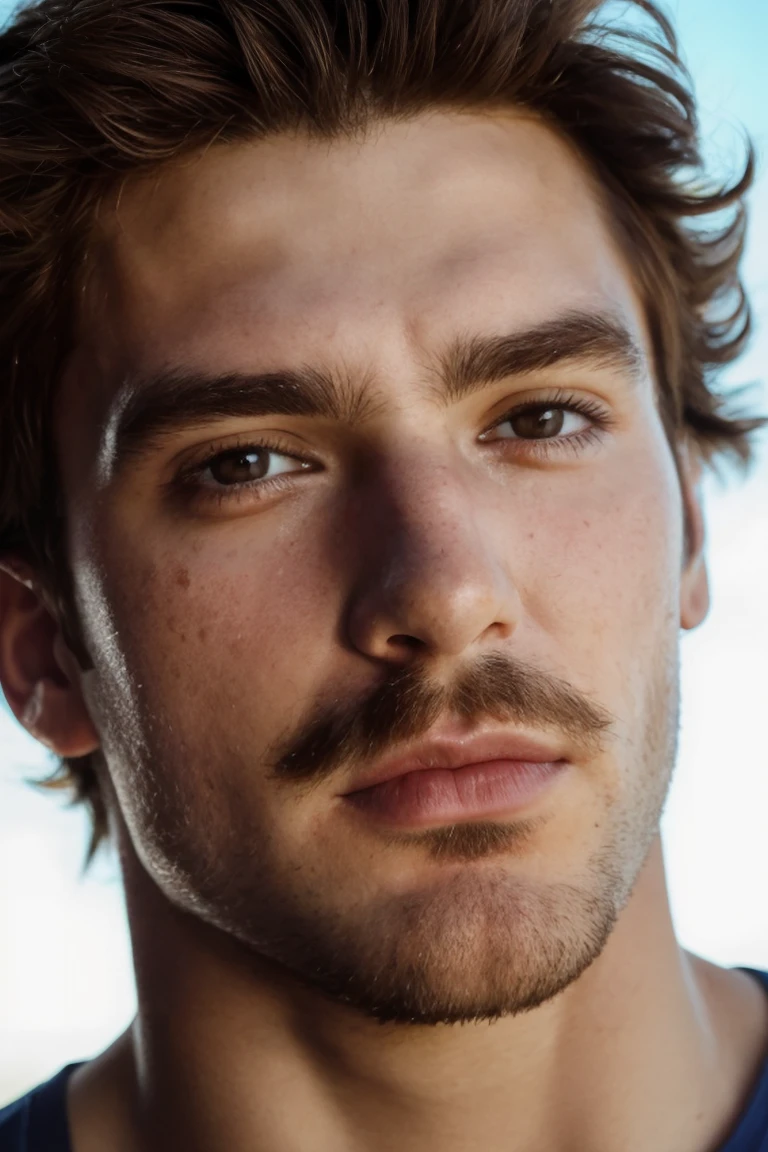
[56, 715]
[694, 598]
[694, 588]
[38, 675]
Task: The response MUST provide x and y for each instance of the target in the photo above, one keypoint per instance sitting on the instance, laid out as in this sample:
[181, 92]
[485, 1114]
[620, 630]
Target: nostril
[401, 640]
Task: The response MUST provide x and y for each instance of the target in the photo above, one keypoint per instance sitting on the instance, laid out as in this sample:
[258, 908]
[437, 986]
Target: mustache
[407, 704]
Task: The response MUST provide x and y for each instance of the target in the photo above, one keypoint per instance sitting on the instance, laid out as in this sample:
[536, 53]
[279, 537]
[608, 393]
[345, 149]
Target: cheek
[217, 652]
[604, 585]
[218, 639]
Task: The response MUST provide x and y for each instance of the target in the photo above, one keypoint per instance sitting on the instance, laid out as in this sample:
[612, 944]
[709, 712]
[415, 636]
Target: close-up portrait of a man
[359, 368]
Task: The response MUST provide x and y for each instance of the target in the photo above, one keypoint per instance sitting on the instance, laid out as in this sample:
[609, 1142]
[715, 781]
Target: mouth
[442, 782]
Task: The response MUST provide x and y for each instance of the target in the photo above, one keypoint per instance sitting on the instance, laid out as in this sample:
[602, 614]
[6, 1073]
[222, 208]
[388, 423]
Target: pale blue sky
[65, 979]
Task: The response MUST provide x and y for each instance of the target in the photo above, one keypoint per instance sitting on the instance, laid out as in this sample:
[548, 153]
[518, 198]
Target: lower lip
[435, 796]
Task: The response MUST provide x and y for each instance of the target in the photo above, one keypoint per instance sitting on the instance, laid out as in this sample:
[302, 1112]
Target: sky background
[66, 988]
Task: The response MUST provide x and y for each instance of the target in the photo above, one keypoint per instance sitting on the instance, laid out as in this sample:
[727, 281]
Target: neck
[650, 1047]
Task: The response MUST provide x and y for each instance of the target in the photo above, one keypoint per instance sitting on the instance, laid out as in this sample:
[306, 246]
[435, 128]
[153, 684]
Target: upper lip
[453, 753]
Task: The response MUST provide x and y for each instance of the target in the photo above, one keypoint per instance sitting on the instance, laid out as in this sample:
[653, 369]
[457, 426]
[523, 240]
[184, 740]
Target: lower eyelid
[542, 449]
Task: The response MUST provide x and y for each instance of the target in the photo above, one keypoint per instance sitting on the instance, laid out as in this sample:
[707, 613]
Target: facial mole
[202, 634]
[182, 578]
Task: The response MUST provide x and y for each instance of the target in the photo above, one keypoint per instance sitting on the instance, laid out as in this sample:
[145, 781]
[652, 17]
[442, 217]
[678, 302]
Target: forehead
[258, 251]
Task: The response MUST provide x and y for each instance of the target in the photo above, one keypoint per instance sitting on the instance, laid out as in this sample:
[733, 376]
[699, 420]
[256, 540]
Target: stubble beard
[481, 943]
[476, 944]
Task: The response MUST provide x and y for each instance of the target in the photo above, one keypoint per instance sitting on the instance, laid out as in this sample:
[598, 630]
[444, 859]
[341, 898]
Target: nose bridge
[434, 517]
[432, 569]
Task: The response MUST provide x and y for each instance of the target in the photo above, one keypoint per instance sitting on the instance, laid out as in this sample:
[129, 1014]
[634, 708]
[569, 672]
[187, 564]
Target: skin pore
[412, 556]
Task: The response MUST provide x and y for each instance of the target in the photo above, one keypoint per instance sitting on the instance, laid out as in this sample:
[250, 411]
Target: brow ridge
[179, 397]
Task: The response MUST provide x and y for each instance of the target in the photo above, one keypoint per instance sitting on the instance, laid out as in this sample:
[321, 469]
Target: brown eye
[544, 421]
[538, 423]
[239, 466]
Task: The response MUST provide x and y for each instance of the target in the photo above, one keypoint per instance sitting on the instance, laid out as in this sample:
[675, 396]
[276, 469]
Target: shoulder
[14, 1123]
[751, 1130]
[759, 975]
[37, 1122]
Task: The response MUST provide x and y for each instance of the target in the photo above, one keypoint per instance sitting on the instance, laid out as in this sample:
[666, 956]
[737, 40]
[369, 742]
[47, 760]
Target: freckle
[182, 578]
[202, 634]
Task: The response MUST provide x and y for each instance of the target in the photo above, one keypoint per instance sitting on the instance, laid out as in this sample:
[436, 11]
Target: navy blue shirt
[38, 1121]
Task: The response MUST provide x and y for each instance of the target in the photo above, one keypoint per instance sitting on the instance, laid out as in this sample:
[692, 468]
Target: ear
[694, 585]
[39, 675]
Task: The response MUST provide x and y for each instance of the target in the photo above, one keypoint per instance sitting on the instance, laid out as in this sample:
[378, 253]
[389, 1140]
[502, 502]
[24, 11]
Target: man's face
[361, 447]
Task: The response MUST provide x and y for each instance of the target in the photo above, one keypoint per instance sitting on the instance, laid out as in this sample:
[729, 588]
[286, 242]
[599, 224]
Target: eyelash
[592, 410]
[189, 476]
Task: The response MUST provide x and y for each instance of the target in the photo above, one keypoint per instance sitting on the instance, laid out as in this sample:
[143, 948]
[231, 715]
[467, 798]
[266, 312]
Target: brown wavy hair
[92, 91]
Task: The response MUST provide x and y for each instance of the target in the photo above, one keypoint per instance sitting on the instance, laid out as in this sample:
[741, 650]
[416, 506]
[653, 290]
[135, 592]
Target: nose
[434, 577]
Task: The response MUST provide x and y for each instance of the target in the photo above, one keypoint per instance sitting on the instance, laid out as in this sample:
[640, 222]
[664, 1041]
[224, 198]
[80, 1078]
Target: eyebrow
[150, 408]
[600, 339]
